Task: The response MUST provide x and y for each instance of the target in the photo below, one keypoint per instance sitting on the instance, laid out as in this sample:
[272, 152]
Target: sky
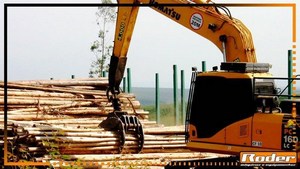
[47, 42]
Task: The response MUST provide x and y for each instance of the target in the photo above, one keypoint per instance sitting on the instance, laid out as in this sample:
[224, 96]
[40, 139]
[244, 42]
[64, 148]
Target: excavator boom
[230, 35]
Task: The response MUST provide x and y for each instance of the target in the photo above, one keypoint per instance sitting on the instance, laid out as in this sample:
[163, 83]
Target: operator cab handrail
[269, 98]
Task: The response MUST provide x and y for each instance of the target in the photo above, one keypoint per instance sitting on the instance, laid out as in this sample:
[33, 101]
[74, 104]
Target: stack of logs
[63, 117]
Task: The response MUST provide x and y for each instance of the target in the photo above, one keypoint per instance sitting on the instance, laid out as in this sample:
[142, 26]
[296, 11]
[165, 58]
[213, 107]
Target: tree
[102, 47]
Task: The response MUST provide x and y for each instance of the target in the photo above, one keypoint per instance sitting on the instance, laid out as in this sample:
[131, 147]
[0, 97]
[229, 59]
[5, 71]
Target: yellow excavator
[233, 110]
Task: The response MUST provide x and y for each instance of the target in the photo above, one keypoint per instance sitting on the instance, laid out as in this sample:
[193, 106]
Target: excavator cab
[220, 99]
[238, 109]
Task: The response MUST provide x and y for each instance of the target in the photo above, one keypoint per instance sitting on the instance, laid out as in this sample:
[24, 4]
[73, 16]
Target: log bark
[52, 89]
[39, 94]
[75, 82]
[12, 101]
[45, 108]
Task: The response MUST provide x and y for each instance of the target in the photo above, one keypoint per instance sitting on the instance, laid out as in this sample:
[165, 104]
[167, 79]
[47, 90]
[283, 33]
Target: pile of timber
[63, 116]
[61, 99]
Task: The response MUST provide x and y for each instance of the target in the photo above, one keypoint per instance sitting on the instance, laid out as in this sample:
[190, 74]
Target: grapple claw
[122, 123]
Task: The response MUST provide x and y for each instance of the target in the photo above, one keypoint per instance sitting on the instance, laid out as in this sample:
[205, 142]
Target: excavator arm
[124, 28]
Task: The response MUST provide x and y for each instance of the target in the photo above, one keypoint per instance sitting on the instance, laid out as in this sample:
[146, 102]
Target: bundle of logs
[60, 119]
[39, 100]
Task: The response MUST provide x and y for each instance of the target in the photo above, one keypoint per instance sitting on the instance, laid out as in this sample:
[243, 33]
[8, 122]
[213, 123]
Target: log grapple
[123, 123]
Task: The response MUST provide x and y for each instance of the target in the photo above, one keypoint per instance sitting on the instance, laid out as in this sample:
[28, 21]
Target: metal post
[175, 87]
[124, 84]
[104, 74]
[129, 80]
[157, 98]
[203, 66]
[290, 72]
[182, 96]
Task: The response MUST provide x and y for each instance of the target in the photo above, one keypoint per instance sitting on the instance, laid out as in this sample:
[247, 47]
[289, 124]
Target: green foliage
[167, 116]
[128, 165]
[27, 167]
[102, 46]
[73, 166]
[52, 146]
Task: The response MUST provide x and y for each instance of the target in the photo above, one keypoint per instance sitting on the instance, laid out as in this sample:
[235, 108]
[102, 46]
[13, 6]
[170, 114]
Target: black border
[5, 84]
[121, 4]
[7, 5]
